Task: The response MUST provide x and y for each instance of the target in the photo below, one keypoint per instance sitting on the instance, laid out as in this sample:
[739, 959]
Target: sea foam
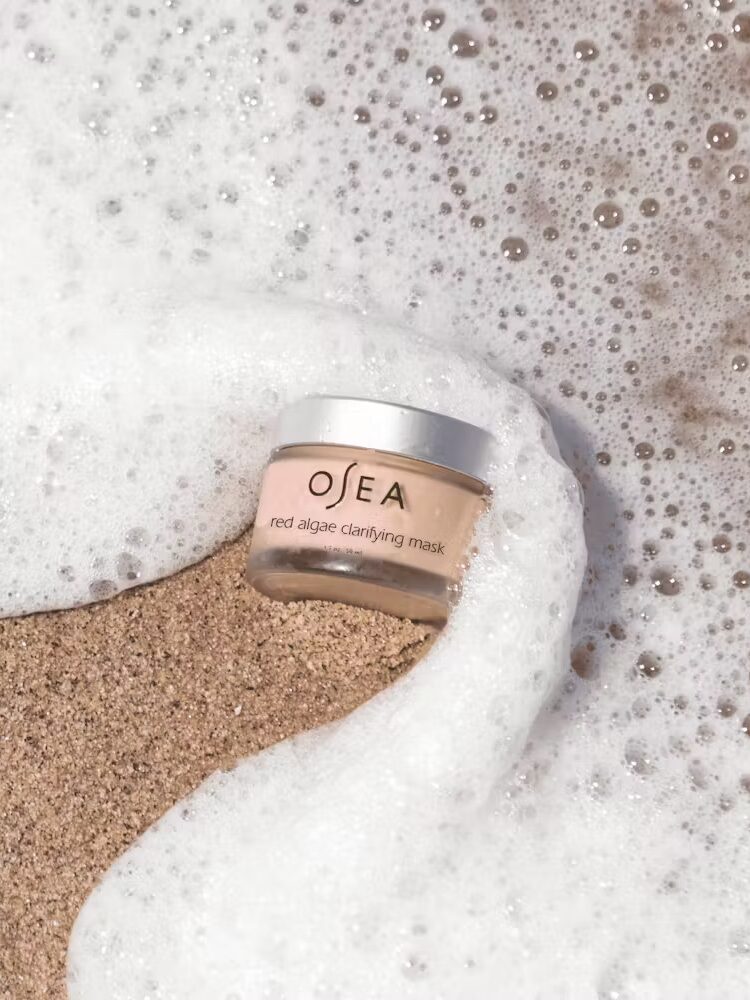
[362, 859]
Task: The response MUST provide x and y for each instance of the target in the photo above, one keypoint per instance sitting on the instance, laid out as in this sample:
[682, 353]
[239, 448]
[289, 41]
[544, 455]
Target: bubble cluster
[561, 192]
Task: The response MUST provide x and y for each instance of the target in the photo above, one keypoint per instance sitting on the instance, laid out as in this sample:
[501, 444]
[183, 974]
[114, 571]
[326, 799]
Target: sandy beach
[111, 713]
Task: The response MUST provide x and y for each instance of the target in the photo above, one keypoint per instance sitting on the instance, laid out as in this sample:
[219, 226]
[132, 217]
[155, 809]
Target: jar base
[374, 589]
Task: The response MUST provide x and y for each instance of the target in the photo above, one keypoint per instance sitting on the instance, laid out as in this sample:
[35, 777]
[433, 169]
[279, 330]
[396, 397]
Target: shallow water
[560, 191]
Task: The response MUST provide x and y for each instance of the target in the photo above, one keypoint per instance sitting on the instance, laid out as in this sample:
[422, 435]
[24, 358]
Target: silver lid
[392, 427]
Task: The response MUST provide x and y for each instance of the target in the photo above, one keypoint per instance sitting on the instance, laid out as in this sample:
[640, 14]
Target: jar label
[341, 501]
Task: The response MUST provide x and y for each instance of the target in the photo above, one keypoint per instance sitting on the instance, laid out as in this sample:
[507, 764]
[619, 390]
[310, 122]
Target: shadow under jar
[369, 503]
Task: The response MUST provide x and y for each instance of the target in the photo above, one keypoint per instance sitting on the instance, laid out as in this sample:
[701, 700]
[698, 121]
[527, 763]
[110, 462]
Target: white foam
[358, 847]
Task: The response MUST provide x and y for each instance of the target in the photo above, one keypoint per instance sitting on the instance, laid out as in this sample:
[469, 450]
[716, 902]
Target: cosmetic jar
[369, 503]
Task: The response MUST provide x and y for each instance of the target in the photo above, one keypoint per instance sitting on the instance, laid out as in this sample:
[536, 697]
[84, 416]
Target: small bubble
[145, 83]
[638, 759]
[739, 942]
[722, 5]
[608, 215]
[603, 457]
[137, 538]
[583, 660]
[567, 389]
[463, 45]
[97, 125]
[128, 567]
[716, 42]
[648, 665]
[514, 248]
[726, 708]
[249, 97]
[745, 727]
[315, 96]
[631, 246]
[738, 174]
[650, 549]
[361, 115]
[739, 363]
[658, 93]
[299, 239]
[441, 135]
[741, 579]
[110, 207]
[585, 51]
[649, 207]
[433, 20]
[721, 136]
[487, 114]
[644, 451]
[721, 543]
[477, 222]
[665, 583]
[726, 446]
[228, 193]
[435, 75]
[450, 97]
[546, 91]
[414, 968]
[741, 27]
[101, 589]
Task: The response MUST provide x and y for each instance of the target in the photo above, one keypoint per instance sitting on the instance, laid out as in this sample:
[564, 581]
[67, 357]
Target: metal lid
[392, 427]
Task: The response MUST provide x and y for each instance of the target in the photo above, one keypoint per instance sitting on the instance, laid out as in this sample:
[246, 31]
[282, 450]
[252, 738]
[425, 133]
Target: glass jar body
[363, 527]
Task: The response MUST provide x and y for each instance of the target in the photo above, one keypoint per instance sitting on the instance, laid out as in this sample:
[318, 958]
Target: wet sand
[110, 714]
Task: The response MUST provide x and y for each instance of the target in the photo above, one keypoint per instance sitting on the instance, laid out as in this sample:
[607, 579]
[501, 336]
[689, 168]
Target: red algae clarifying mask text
[369, 503]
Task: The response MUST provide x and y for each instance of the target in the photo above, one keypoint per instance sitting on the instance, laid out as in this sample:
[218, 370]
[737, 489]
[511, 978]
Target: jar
[369, 503]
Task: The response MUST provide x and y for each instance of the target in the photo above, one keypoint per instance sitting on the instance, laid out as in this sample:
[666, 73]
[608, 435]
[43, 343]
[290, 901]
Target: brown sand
[111, 713]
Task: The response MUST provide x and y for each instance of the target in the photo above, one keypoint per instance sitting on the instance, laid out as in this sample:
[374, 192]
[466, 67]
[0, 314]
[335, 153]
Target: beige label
[340, 500]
